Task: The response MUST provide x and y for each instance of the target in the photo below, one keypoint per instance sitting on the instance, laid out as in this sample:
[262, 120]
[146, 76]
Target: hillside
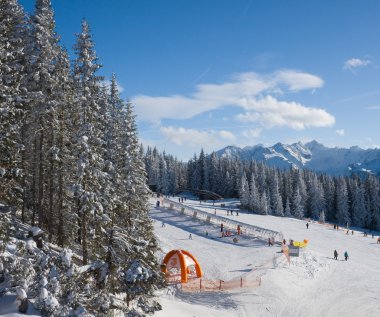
[311, 285]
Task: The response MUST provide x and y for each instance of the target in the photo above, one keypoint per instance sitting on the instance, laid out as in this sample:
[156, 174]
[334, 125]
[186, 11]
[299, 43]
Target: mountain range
[312, 155]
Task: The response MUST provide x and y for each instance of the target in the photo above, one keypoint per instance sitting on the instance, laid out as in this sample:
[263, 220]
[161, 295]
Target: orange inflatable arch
[181, 260]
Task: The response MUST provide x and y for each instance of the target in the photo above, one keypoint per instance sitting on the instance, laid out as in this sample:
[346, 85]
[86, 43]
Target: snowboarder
[335, 255]
[190, 237]
[346, 255]
[307, 225]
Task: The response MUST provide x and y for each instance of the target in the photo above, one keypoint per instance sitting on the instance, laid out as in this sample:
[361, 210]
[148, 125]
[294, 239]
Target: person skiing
[307, 225]
[335, 255]
[346, 255]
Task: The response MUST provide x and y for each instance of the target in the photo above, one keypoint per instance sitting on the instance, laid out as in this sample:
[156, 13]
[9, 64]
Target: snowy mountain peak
[312, 155]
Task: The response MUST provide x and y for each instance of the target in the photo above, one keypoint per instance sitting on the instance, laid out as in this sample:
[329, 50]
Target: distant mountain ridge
[312, 155]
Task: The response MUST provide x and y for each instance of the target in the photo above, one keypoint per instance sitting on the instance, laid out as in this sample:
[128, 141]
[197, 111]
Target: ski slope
[313, 284]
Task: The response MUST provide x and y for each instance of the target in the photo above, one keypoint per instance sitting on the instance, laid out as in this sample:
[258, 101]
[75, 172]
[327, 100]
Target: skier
[307, 225]
[334, 226]
[221, 227]
[335, 255]
[163, 224]
[190, 237]
[346, 255]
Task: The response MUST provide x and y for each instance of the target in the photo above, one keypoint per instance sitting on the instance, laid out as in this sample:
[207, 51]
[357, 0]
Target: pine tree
[297, 206]
[343, 215]
[89, 153]
[287, 212]
[12, 100]
[244, 192]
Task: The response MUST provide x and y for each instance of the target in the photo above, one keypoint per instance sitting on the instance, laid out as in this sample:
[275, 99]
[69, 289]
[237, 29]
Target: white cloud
[270, 112]
[252, 133]
[213, 96]
[355, 63]
[340, 132]
[226, 135]
[193, 137]
[298, 80]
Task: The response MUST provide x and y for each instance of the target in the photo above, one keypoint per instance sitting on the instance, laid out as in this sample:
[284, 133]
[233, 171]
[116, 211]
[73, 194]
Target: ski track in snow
[311, 285]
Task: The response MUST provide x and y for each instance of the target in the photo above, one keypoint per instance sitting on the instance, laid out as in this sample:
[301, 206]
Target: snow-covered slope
[313, 284]
[312, 155]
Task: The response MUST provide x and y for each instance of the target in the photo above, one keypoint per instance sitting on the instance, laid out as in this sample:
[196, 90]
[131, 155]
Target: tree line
[351, 200]
[71, 163]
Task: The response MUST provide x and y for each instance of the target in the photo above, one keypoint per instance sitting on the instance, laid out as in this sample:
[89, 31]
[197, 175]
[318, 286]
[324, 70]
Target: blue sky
[206, 74]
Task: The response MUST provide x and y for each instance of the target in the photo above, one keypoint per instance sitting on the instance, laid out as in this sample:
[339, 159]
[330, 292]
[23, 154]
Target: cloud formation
[355, 63]
[340, 132]
[270, 112]
[193, 137]
[207, 97]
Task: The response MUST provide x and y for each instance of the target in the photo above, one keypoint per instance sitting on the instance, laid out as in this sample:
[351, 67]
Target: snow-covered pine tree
[12, 100]
[244, 191]
[141, 277]
[43, 53]
[254, 198]
[316, 196]
[322, 217]
[275, 196]
[342, 212]
[372, 186]
[297, 206]
[287, 211]
[359, 210]
[89, 142]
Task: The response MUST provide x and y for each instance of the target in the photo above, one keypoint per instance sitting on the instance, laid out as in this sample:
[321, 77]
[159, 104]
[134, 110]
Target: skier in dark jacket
[346, 255]
[335, 255]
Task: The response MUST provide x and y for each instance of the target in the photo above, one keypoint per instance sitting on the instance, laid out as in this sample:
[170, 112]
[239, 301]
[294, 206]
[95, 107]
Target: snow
[314, 284]
[35, 231]
[9, 307]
